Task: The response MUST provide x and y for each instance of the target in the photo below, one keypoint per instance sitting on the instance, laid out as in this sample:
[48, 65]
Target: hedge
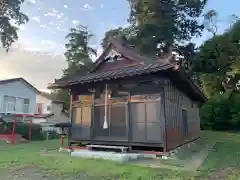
[23, 128]
[37, 133]
[222, 112]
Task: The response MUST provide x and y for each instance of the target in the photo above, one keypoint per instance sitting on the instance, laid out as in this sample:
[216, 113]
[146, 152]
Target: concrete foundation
[120, 157]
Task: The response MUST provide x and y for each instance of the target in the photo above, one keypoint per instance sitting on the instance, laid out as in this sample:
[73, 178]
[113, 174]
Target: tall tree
[78, 55]
[10, 17]
[129, 34]
[165, 21]
[110, 34]
[78, 51]
[210, 21]
[233, 19]
[218, 61]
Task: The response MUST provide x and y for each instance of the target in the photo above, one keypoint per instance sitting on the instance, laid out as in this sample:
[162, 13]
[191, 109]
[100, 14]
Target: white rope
[105, 124]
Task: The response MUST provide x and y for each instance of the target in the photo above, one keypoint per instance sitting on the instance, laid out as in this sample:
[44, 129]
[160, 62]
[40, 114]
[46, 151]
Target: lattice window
[26, 105]
[9, 104]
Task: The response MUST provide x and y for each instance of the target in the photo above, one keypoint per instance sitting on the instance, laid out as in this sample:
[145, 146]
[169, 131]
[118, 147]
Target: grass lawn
[223, 161]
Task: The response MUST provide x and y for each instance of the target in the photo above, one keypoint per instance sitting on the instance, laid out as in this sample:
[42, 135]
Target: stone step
[121, 148]
[120, 157]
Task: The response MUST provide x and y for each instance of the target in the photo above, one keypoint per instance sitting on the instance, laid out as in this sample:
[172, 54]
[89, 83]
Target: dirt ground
[220, 174]
[36, 174]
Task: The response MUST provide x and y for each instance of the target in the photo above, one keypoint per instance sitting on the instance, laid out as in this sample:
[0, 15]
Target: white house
[49, 111]
[19, 100]
[17, 96]
[43, 103]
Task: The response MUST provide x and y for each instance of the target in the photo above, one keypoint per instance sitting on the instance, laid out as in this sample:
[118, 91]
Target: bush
[222, 112]
[23, 128]
[52, 134]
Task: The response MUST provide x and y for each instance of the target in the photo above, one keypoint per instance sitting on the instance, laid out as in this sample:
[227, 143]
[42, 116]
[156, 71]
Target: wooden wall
[175, 102]
[147, 118]
[147, 122]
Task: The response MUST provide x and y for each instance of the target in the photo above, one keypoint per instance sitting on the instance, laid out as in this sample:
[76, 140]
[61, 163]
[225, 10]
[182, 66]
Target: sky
[38, 55]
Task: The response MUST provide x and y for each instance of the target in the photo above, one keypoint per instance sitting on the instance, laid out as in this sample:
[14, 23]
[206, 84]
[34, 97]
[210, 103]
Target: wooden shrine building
[133, 100]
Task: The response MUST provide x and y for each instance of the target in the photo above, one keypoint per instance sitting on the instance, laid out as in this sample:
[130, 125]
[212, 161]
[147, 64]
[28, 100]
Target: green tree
[221, 112]
[165, 21]
[78, 50]
[111, 34]
[210, 21]
[218, 61]
[10, 17]
[78, 55]
[128, 34]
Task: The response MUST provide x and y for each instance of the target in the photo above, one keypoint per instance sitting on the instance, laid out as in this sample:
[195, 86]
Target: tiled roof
[129, 53]
[47, 95]
[51, 97]
[137, 69]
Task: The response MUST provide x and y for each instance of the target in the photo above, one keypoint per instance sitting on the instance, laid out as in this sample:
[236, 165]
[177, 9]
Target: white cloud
[54, 10]
[75, 22]
[67, 7]
[51, 46]
[54, 13]
[44, 45]
[86, 7]
[32, 49]
[60, 15]
[51, 23]
[65, 18]
[48, 43]
[36, 18]
[43, 26]
[37, 68]
[31, 1]
[62, 29]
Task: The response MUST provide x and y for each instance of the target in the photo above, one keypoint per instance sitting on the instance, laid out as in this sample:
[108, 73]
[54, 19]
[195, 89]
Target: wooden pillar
[30, 130]
[92, 130]
[70, 107]
[13, 131]
[165, 120]
[70, 118]
[62, 141]
[129, 129]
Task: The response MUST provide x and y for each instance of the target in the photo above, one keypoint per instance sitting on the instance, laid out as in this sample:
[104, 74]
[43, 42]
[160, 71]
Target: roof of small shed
[144, 65]
[137, 69]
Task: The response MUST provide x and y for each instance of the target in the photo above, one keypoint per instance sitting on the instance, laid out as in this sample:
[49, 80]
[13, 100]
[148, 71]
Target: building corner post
[165, 120]
[70, 117]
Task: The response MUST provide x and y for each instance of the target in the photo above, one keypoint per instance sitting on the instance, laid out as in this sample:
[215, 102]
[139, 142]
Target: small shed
[133, 100]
